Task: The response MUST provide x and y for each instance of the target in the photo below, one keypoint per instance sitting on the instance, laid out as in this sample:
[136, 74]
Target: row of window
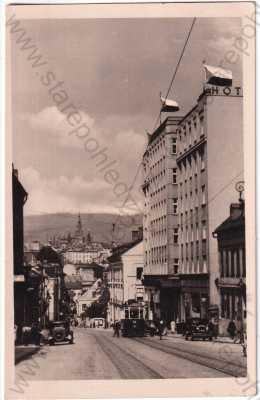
[233, 263]
[231, 306]
[190, 131]
[159, 205]
[193, 199]
[194, 266]
[155, 158]
[158, 222]
[192, 164]
[156, 255]
[193, 234]
[192, 249]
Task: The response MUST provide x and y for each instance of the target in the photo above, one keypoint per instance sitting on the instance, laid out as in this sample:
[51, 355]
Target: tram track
[126, 363]
[225, 366]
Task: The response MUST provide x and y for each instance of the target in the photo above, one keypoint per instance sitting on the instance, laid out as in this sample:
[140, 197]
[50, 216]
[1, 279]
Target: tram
[133, 320]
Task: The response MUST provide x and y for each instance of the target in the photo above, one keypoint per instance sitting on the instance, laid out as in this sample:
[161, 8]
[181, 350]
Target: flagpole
[204, 75]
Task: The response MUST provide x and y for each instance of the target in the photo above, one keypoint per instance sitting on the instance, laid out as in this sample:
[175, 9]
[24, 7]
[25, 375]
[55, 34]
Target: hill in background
[43, 227]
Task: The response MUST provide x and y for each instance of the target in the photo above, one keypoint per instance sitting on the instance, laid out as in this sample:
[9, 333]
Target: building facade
[210, 157]
[133, 265]
[123, 277]
[160, 223]
[20, 295]
[231, 281]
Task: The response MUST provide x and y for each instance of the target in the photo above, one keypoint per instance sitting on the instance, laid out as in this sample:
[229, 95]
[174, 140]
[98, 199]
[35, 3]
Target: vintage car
[60, 332]
[196, 328]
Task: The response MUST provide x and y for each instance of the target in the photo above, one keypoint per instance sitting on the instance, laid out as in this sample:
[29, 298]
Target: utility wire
[167, 93]
[176, 68]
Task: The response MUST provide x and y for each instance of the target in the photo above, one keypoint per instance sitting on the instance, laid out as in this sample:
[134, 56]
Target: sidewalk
[23, 352]
[219, 339]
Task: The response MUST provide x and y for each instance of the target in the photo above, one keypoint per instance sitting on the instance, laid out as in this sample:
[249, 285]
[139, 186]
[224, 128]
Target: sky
[113, 71]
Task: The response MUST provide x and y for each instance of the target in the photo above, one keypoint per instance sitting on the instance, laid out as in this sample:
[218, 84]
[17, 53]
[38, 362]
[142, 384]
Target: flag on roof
[169, 105]
[218, 76]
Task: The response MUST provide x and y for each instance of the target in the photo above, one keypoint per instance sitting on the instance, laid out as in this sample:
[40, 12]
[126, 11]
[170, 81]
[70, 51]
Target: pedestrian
[232, 329]
[116, 327]
[35, 334]
[26, 333]
[161, 328]
[173, 327]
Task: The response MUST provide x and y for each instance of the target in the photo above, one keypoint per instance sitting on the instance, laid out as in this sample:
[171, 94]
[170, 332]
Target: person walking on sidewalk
[232, 329]
[161, 328]
[116, 327]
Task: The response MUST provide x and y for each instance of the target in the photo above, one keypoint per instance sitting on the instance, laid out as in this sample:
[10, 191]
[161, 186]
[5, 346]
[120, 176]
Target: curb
[22, 356]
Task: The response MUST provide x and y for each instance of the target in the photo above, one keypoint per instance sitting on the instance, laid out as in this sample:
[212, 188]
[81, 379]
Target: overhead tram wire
[177, 67]
[168, 91]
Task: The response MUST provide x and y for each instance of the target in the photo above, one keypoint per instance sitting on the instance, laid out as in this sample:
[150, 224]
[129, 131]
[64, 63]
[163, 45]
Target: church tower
[79, 231]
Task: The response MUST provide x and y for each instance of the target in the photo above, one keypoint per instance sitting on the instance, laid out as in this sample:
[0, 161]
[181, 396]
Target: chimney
[235, 210]
[135, 235]
[140, 230]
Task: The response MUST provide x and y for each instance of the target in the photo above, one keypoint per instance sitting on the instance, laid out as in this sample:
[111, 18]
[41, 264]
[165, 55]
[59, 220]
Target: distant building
[82, 256]
[160, 222]
[133, 266]
[52, 264]
[20, 295]
[89, 297]
[89, 273]
[124, 276]
[231, 280]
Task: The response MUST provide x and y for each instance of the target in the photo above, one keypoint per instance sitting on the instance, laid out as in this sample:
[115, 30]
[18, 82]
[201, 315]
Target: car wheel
[210, 339]
[203, 339]
[186, 337]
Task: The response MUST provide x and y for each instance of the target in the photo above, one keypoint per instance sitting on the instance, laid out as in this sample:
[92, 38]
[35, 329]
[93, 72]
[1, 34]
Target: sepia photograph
[129, 143]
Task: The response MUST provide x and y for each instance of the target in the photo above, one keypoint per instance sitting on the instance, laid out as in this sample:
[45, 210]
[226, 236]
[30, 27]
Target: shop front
[194, 297]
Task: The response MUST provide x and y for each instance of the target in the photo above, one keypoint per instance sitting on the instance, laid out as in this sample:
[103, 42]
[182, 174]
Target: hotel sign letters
[232, 91]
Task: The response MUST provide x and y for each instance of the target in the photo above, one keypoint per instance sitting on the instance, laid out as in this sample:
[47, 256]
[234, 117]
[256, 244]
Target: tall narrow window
[201, 126]
[232, 266]
[243, 263]
[204, 230]
[176, 265]
[174, 175]
[203, 195]
[202, 159]
[197, 232]
[238, 264]
[175, 205]
[204, 264]
[221, 264]
[175, 235]
[174, 145]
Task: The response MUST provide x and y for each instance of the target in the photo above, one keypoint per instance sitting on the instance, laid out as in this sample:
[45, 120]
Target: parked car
[60, 332]
[197, 328]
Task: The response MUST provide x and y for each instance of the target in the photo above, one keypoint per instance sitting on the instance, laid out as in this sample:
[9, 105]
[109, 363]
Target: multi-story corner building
[160, 224]
[209, 161]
